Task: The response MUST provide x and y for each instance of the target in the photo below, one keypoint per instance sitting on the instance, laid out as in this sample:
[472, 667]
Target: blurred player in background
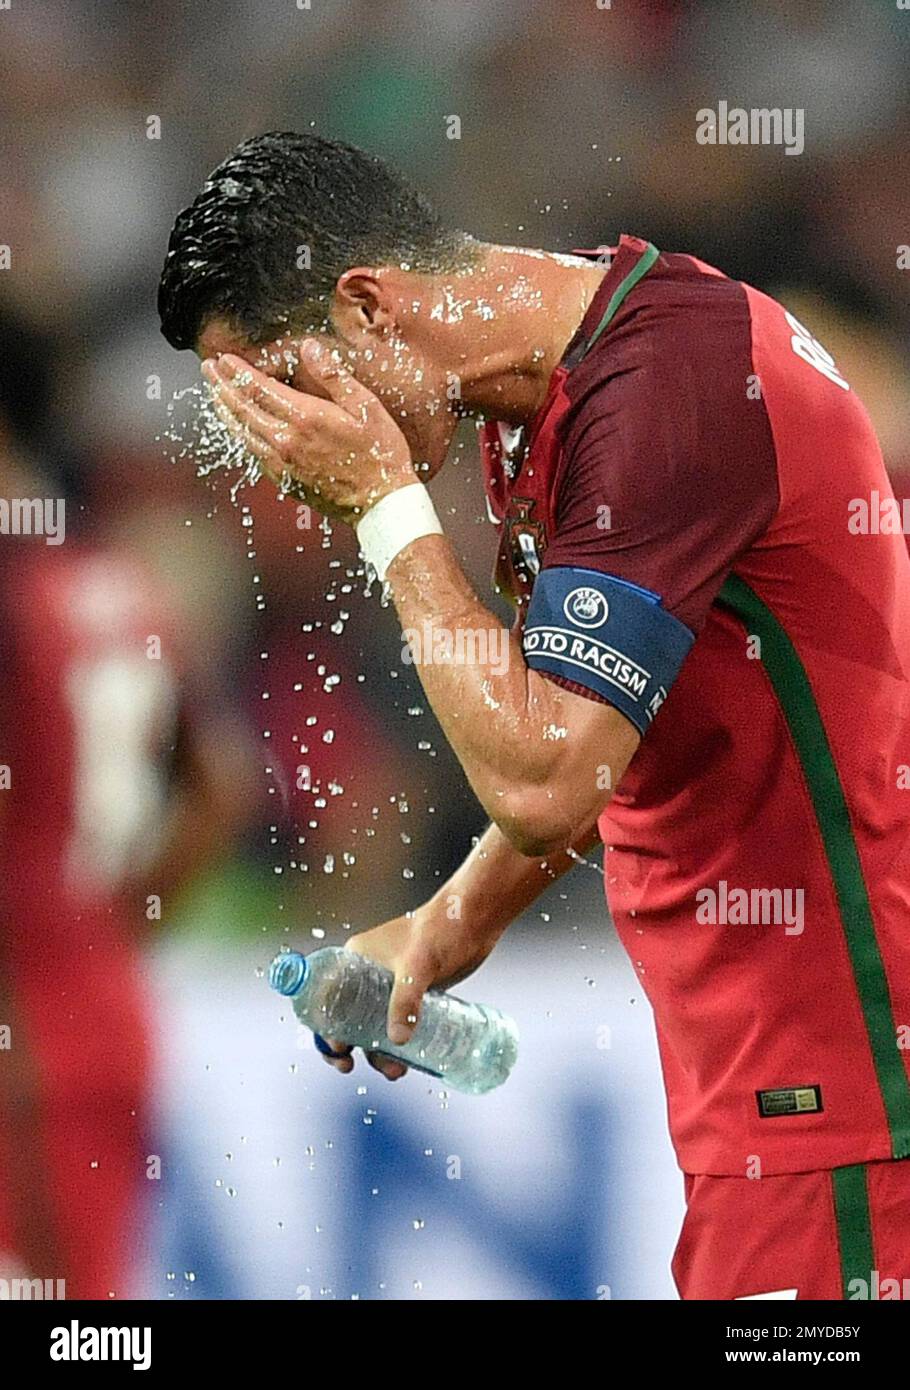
[710, 669]
[118, 786]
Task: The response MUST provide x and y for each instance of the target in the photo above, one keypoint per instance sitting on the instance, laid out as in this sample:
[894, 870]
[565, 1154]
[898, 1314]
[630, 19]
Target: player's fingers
[391, 1068]
[328, 371]
[222, 409]
[266, 453]
[282, 403]
[337, 1054]
[414, 974]
[412, 979]
[275, 398]
[231, 395]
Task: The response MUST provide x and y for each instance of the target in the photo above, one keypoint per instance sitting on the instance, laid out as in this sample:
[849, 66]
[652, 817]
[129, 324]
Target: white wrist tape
[397, 519]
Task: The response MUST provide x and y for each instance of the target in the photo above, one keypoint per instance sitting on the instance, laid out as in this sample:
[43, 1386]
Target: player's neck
[524, 308]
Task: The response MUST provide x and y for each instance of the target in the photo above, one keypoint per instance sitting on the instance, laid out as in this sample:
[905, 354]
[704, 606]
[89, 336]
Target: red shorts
[83, 1206]
[843, 1233]
[73, 1148]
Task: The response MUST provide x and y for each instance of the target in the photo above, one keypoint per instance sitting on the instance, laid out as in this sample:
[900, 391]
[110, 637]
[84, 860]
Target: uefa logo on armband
[586, 608]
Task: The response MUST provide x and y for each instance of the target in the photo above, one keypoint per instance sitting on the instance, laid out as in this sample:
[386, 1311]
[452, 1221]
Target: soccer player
[709, 664]
[114, 785]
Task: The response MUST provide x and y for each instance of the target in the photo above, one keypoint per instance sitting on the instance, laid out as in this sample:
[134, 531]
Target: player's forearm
[502, 720]
[496, 883]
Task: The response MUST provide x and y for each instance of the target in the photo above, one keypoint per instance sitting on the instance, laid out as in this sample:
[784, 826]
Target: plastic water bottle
[340, 994]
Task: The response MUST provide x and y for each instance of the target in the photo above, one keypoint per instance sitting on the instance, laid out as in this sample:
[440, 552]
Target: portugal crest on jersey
[527, 538]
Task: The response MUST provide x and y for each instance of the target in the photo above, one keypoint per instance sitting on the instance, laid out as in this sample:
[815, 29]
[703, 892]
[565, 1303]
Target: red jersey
[87, 726]
[88, 721]
[679, 532]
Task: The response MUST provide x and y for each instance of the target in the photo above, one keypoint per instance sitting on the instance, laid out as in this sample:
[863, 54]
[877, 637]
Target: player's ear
[362, 304]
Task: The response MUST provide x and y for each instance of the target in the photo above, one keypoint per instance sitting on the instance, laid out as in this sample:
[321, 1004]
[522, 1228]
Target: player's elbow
[532, 822]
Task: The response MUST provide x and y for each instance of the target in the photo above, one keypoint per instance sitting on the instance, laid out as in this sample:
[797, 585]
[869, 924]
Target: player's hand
[424, 951]
[341, 447]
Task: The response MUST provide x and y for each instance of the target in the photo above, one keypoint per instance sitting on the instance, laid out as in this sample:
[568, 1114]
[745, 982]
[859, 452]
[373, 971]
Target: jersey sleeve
[668, 473]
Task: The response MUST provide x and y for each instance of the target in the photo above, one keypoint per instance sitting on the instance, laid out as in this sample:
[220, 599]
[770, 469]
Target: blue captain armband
[605, 634]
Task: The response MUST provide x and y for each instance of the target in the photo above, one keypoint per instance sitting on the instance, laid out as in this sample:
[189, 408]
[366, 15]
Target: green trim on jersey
[854, 1225]
[797, 702]
[639, 269]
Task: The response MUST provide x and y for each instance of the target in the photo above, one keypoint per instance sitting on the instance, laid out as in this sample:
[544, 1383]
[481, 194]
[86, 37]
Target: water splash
[195, 432]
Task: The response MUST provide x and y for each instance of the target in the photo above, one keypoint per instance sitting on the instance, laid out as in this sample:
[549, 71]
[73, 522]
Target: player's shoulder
[653, 308]
[674, 356]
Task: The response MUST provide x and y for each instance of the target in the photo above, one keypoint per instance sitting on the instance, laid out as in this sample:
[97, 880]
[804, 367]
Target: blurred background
[280, 779]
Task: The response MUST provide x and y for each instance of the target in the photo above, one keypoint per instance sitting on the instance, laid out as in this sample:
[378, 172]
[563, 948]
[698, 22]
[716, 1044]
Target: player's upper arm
[668, 474]
[589, 746]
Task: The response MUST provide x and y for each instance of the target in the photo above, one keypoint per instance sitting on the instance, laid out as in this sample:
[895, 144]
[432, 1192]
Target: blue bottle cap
[287, 973]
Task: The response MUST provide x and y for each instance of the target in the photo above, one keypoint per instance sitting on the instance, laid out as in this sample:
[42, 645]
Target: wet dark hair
[235, 252]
